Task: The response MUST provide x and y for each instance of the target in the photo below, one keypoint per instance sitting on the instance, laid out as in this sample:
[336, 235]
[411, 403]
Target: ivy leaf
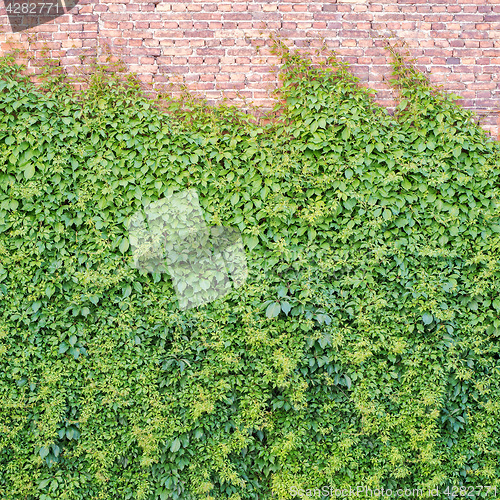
[286, 307]
[325, 340]
[273, 310]
[124, 245]
[49, 290]
[252, 242]
[43, 484]
[29, 171]
[427, 319]
[94, 299]
[235, 198]
[175, 445]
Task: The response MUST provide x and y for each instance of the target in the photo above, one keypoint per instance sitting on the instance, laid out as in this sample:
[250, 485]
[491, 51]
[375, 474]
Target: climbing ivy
[362, 349]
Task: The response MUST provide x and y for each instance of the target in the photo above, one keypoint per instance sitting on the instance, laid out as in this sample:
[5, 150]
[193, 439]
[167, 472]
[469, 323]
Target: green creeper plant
[361, 350]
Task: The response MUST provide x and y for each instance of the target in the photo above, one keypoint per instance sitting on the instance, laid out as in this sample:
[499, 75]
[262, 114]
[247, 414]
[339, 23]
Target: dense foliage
[362, 349]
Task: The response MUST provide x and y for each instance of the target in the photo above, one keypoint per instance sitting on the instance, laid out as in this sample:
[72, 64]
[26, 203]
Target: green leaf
[124, 244]
[427, 318]
[252, 242]
[175, 445]
[43, 484]
[406, 184]
[273, 310]
[29, 171]
[49, 290]
[235, 198]
[286, 307]
[350, 203]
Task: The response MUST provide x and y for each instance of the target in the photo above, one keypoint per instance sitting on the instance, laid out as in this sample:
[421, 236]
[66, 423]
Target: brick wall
[222, 48]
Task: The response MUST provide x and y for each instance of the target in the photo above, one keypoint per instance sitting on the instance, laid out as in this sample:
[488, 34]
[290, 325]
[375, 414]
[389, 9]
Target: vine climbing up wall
[362, 351]
[221, 47]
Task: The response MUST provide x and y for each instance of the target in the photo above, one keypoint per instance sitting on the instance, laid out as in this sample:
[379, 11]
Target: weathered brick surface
[221, 48]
